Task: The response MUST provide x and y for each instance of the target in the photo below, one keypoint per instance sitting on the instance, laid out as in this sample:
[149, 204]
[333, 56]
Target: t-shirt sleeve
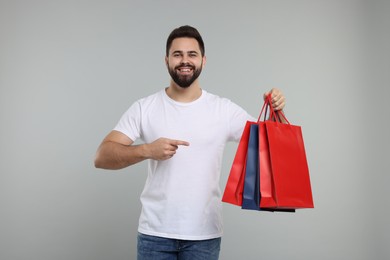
[237, 120]
[130, 122]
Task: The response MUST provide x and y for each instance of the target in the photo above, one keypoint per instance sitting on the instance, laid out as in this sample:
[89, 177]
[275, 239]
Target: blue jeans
[160, 248]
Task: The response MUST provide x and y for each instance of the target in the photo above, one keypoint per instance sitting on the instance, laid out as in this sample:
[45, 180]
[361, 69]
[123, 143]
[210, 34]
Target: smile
[185, 69]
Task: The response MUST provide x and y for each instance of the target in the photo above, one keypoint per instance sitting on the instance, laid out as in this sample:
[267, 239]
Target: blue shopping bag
[251, 194]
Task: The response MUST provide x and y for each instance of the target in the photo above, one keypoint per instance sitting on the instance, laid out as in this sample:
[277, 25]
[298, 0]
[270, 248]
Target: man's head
[185, 55]
[185, 31]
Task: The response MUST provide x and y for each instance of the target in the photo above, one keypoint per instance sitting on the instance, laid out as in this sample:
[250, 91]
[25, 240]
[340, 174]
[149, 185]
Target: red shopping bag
[284, 173]
[235, 183]
[266, 178]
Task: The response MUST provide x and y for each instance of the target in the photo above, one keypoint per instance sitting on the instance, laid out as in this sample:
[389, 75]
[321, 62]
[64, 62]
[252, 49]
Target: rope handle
[274, 115]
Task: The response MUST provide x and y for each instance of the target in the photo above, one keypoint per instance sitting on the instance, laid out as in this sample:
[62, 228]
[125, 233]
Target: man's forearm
[114, 156]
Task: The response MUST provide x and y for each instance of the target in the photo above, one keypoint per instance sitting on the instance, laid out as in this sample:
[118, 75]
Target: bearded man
[184, 130]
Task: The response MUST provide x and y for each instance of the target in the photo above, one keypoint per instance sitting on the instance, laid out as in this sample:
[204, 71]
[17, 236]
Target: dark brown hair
[185, 31]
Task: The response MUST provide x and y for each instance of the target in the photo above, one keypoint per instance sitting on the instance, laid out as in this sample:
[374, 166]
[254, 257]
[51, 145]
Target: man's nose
[184, 58]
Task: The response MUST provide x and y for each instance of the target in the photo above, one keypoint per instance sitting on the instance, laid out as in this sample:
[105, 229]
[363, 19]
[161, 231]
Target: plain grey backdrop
[69, 69]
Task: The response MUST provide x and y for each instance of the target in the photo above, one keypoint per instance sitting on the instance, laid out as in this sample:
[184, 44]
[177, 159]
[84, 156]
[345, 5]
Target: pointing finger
[179, 142]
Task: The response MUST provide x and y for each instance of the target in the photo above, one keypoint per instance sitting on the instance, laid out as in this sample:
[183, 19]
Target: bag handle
[274, 115]
[265, 106]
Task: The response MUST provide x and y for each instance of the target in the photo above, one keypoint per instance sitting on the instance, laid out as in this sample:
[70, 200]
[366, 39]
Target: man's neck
[184, 95]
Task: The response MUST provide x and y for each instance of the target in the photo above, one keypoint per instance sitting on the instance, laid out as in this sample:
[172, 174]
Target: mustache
[187, 65]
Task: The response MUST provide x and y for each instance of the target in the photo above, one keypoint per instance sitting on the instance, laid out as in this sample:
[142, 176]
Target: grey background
[69, 69]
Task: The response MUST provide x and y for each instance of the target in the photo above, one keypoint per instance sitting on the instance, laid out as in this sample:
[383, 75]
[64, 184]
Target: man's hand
[164, 148]
[277, 98]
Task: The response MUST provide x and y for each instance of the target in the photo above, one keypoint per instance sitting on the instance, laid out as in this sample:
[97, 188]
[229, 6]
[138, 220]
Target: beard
[184, 81]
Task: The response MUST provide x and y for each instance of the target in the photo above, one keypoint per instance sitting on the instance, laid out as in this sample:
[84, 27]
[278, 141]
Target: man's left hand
[277, 98]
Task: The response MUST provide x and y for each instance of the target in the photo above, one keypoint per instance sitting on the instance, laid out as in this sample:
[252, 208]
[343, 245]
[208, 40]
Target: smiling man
[184, 130]
[183, 62]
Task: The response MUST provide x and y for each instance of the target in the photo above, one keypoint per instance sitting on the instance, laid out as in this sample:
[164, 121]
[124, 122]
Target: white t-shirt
[181, 198]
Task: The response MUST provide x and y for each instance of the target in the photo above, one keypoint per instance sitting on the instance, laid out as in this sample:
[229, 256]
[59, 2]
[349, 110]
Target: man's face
[185, 61]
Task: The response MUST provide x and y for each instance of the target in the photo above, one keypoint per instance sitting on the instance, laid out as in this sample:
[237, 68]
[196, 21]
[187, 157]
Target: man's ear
[166, 61]
[204, 61]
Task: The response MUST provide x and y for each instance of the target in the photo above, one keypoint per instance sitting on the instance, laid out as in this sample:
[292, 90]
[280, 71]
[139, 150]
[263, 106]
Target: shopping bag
[266, 179]
[235, 183]
[251, 192]
[284, 173]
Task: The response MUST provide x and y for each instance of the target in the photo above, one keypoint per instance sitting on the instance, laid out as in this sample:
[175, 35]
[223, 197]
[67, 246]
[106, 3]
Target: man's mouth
[185, 70]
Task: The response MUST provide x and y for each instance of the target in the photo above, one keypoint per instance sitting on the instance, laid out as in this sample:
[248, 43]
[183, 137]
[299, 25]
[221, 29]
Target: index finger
[179, 142]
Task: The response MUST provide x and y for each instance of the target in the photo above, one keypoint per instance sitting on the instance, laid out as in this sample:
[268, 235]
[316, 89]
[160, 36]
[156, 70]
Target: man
[184, 130]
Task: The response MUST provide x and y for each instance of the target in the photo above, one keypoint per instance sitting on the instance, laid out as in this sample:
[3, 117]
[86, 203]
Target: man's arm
[117, 151]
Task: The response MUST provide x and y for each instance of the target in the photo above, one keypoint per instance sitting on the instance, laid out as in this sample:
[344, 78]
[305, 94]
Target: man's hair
[185, 31]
